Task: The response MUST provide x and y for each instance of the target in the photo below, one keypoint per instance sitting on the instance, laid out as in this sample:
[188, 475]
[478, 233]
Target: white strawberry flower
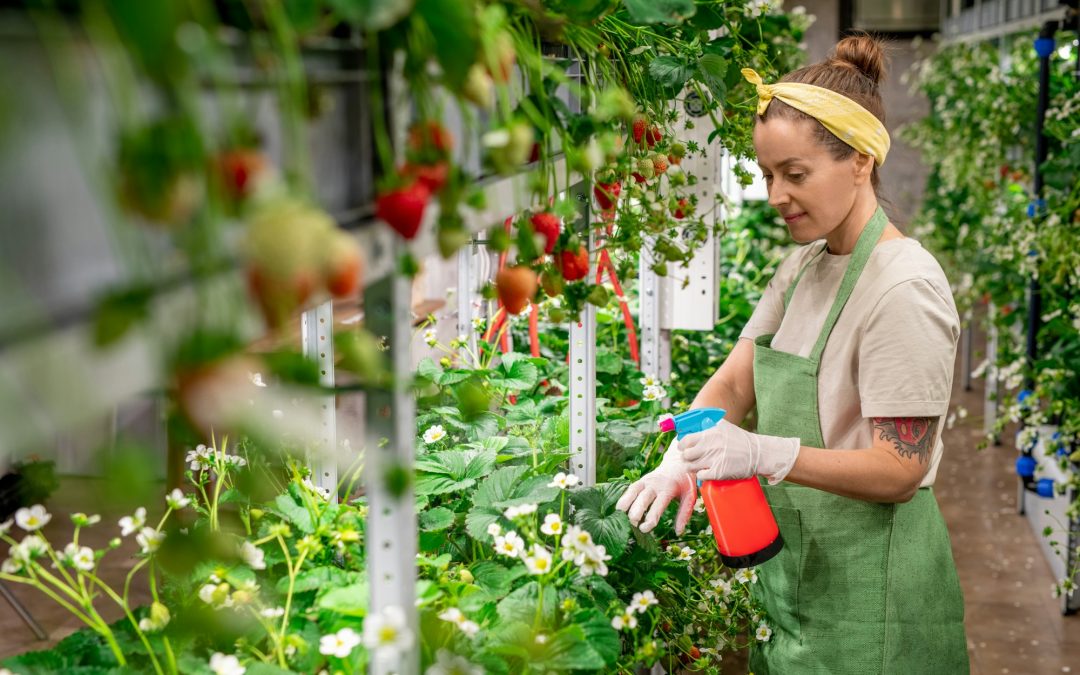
[32, 518]
[253, 556]
[553, 524]
[649, 381]
[641, 602]
[453, 615]
[83, 520]
[681, 552]
[626, 620]
[5, 526]
[149, 539]
[592, 560]
[448, 663]
[478, 323]
[434, 434]
[747, 575]
[653, 393]
[539, 560]
[511, 544]
[133, 523]
[12, 566]
[577, 539]
[256, 379]
[494, 529]
[763, 633]
[79, 557]
[177, 500]
[339, 644]
[386, 634]
[431, 337]
[216, 594]
[564, 481]
[223, 664]
[470, 628]
[273, 612]
[199, 459]
[699, 505]
[31, 547]
[722, 585]
[516, 511]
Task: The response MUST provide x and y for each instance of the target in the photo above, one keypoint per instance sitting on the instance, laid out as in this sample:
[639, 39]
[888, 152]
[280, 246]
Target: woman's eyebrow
[781, 165]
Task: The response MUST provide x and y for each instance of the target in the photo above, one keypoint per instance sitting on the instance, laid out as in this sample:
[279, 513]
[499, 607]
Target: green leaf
[609, 362]
[436, 519]
[496, 579]
[453, 25]
[427, 368]
[296, 514]
[257, 668]
[477, 520]
[533, 490]
[660, 11]
[515, 374]
[599, 634]
[595, 511]
[120, 311]
[452, 470]
[452, 377]
[483, 425]
[520, 605]
[499, 485]
[325, 576]
[713, 69]
[569, 649]
[372, 14]
[669, 72]
[348, 600]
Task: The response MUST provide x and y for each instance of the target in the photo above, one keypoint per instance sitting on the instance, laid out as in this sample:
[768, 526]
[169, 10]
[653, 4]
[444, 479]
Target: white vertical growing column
[583, 367]
[652, 300]
[391, 433]
[317, 343]
[466, 294]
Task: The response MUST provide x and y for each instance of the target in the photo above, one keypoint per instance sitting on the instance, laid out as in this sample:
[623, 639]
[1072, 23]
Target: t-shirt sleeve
[907, 352]
[769, 312]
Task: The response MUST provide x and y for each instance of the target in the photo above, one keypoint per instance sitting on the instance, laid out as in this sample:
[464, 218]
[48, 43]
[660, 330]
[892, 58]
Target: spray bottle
[742, 522]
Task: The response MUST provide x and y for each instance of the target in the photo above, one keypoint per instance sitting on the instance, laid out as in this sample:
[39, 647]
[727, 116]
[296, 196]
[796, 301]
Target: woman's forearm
[869, 474]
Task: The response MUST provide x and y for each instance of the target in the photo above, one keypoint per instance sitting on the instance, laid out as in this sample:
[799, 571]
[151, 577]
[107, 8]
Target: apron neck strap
[863, 248]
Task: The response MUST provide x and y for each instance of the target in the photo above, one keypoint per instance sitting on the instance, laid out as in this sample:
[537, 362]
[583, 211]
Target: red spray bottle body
[742, 521]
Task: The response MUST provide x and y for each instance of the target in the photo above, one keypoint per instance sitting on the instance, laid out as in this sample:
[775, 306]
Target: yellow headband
[849, 121]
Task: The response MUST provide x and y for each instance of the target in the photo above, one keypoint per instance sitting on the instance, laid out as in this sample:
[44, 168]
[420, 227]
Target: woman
[848, 358]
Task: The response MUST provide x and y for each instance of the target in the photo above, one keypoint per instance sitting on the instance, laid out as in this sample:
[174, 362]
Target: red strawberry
[639, 128]
[240, 170]
[430, 135]
[516, 287]
[638, 177]
[403, 208]
[574, 265]
[431, 175]
[660, 164]
[653, 136]
[681, 209]
[343, 265]
[607, 194]
[548, 225]
[695, 653]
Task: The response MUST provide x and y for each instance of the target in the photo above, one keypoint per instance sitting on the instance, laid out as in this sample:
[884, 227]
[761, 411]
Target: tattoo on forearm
[912, 436]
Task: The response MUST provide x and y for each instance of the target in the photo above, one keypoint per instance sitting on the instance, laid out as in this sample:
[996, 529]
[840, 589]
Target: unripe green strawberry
[478, 87]
[646, 168]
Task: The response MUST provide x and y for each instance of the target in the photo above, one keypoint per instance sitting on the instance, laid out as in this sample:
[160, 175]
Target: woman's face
[812, 191]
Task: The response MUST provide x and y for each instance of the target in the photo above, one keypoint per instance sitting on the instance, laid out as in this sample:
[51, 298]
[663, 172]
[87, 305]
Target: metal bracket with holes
[317, 343]
[388, 463]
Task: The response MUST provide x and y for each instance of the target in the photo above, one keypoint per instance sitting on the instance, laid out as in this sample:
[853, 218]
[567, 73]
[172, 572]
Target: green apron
[859, 588]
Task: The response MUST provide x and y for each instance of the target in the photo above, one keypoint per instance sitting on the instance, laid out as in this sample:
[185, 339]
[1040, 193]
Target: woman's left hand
[728, 452]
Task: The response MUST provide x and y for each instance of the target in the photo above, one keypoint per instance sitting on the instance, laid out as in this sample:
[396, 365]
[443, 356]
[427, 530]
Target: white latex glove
[728, 452]
[656, 489]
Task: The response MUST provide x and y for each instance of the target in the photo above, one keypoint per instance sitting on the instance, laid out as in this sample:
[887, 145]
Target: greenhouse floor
[1013, 623]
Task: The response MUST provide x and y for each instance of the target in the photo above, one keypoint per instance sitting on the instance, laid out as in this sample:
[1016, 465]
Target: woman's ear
[864, 167]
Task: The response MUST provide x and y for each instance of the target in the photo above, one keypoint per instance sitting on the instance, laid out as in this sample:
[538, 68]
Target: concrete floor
[1014, 625]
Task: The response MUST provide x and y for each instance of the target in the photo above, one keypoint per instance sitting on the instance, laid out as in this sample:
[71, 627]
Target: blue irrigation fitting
[1024, 395]
[1036, 207]
[1025, 466]
[1045, 488]
[1044, 46]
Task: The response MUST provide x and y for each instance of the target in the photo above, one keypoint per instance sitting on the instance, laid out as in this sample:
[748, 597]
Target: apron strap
[791, 287]
[863, 248]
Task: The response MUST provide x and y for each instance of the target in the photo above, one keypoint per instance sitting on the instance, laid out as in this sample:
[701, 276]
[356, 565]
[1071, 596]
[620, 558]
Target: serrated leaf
[452, 470]
[496, 579]
[533, 490]
[599, 634]
[595, 511]
[660, 11]
[427, 368]
[669, 72]
[325, 576]
[499, 485]
[515, 374]
[520, 605]
[348, 600]
[477, 520]
[454, 27]
[436, 519]
[609, 362]
[452, 377]
[296, 514]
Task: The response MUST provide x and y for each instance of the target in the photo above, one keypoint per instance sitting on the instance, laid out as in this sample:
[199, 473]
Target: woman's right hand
[674, 478]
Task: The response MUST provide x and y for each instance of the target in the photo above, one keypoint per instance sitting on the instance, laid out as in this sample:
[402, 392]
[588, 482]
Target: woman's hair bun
[864, 52]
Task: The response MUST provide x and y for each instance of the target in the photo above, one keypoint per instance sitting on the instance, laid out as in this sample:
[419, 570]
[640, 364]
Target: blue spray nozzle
[699, 419]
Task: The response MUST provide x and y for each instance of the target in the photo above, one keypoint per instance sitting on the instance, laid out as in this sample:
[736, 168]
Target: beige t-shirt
[892, 350]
